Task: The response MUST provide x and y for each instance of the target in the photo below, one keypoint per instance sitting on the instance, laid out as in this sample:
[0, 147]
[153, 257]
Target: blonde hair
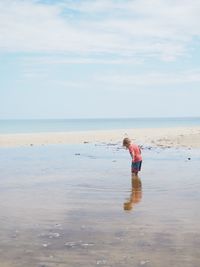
[126, 141]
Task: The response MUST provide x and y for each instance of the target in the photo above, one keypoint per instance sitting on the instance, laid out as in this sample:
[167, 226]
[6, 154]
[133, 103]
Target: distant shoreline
[77, 125]
[164, 137]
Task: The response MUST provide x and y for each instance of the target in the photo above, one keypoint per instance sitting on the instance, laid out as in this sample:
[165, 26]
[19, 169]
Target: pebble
[58, 226]
[111, 144]
[143, 262]
[85, 245]
[54, 235]
[51, 235]
[45, 245]
[99, 262]
[14, 236]
[70, 244]
[78, 244]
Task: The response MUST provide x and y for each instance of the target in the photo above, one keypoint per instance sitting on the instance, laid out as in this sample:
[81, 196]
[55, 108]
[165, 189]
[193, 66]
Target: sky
[99, 58]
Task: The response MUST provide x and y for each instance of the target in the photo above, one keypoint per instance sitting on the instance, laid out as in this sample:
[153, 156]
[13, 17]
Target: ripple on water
[84, 211]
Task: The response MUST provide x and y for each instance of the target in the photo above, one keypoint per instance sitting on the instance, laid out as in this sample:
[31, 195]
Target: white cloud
[126, 29]
[64, 60]
[150, 79]
[117, 82]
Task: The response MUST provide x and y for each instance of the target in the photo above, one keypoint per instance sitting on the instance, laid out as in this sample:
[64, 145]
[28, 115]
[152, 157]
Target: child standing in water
[136, 156]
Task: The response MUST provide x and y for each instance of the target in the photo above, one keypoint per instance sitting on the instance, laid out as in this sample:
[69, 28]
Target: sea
[68, 125]
[77, 205]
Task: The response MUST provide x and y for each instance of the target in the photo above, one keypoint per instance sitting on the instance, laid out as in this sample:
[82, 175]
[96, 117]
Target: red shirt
[135, 150]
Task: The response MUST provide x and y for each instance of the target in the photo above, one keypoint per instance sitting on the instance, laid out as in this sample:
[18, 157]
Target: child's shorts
[136, 166]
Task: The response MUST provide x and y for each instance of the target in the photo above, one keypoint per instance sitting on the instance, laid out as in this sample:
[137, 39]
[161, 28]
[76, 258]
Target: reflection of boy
[136, 193]
[135, 153]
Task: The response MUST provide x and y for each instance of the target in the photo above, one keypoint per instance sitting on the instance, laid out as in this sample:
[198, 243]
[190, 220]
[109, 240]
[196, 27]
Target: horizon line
[102, 118]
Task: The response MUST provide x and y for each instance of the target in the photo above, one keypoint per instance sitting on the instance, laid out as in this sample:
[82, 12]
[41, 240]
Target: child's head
[128, 205]
[126, 142]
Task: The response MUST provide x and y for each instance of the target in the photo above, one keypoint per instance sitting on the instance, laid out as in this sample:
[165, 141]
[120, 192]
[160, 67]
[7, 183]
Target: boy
[135, 153]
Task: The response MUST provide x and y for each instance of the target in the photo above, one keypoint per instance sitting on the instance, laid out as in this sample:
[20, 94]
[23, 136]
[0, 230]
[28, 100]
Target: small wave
[96, 188]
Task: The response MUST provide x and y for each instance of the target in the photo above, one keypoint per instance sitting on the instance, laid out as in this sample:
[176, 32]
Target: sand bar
[166, 137]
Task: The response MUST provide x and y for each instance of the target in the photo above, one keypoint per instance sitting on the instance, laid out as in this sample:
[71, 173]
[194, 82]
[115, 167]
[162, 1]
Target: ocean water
[75, 205]
[66, 125]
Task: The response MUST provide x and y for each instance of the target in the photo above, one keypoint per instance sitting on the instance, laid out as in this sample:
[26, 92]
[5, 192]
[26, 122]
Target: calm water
[29, 126]
[70, 206]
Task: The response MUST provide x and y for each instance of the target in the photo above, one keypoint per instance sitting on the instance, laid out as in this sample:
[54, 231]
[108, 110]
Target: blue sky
[99, 58]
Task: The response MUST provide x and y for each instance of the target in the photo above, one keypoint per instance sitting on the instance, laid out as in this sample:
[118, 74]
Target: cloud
[116, 82]
[62, 59]
[92, 28]
[150, 79]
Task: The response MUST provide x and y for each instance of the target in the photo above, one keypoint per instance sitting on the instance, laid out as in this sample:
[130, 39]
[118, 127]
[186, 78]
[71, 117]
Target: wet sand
[76, 205]
[165, 137]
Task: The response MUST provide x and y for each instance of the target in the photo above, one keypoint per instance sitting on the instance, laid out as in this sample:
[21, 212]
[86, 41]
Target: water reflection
[136, 193]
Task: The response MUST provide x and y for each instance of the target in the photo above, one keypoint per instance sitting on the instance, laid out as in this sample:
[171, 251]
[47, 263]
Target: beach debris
[77, 154]
[101, 262]
[46, 245]
[189, 158]
[70, 244]
[54, 235]
[112, 144]
[42, 235]
[79, 244]
[91, 157]
[50, 235]
[85, 142]
[15, 234]
[31, 144]
[86, 245]
[58, 226]
[119, 148]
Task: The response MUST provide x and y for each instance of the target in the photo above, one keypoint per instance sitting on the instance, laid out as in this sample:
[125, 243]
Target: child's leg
[134, 174]
[136, 167]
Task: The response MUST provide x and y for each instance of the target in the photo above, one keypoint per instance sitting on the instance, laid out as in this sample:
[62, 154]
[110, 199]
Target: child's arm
[131, 151]
[132, 154]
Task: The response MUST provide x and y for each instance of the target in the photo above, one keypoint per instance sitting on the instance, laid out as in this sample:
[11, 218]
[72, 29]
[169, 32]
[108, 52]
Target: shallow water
[75, 206]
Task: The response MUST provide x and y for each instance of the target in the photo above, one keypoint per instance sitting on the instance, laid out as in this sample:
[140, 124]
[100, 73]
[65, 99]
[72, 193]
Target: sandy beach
[68, 199]
[165, 137]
